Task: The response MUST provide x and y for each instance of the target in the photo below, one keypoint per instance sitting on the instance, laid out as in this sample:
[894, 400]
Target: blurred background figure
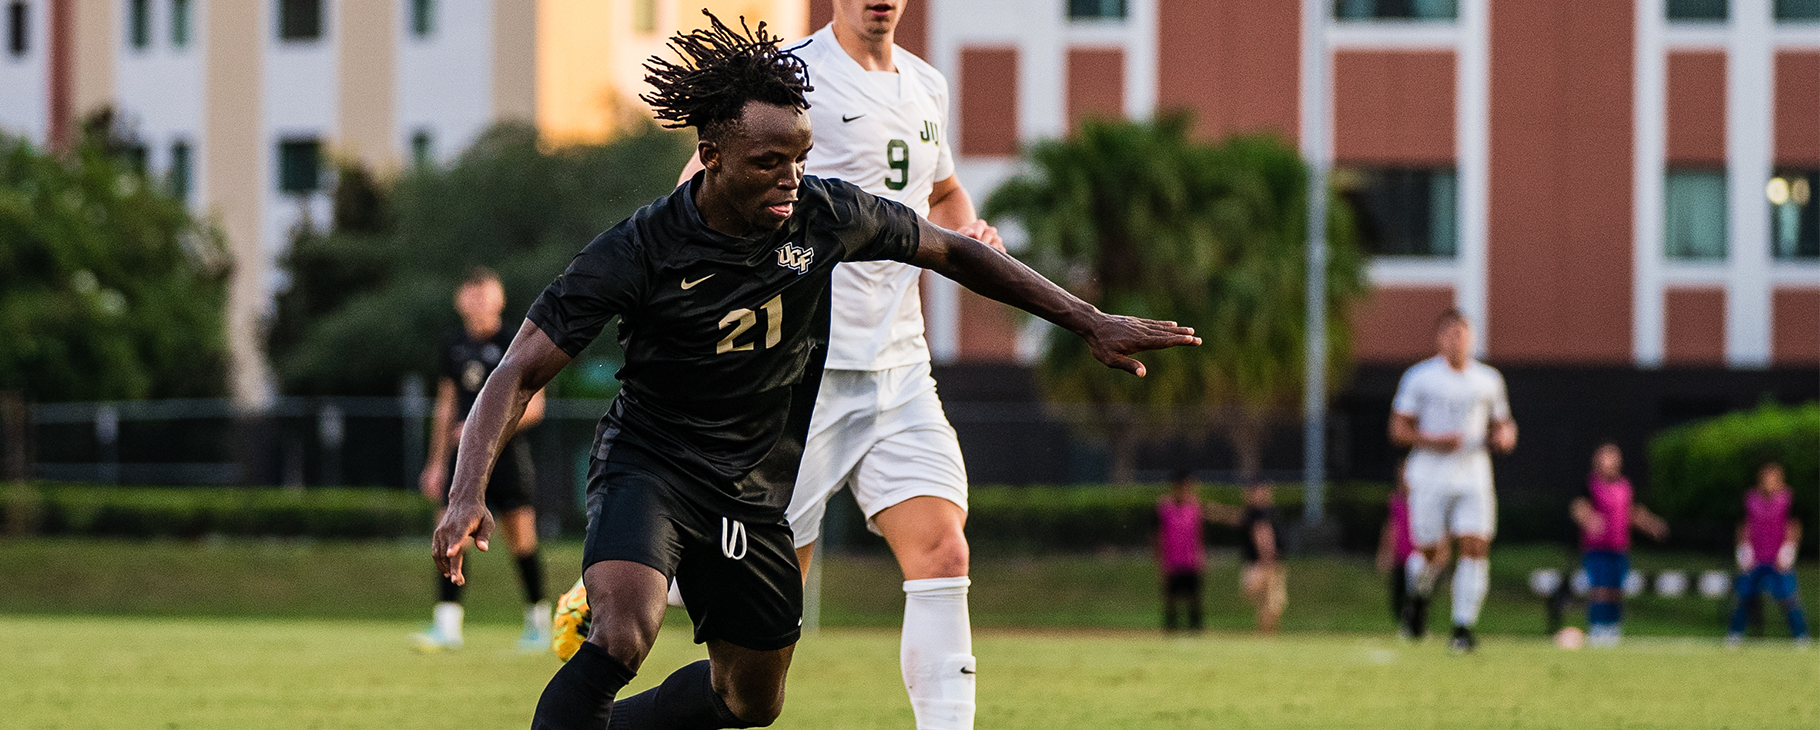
[1605, 516]
[1768, 539]
[1180, 553]
[1264, 578]
[468, 358]
[1451, 410]
[1399, 558]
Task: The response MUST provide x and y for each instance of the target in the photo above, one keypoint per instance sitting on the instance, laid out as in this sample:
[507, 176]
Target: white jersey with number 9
[883, 132]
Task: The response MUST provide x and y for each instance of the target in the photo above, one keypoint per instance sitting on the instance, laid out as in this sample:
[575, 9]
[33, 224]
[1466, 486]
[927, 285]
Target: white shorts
[884, 434]
[1435, 512]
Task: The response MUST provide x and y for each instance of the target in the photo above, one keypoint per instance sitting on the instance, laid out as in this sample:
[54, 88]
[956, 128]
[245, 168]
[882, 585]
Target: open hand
[461, 521]
[980, 230]
[1115, 337]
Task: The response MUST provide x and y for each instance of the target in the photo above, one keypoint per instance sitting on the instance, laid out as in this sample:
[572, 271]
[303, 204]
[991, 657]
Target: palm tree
[1137, 218]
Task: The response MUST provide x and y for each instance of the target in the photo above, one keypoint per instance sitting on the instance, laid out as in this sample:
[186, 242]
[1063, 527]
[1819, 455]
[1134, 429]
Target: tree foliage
[1139, 219]
[370, 299]
[109, 288]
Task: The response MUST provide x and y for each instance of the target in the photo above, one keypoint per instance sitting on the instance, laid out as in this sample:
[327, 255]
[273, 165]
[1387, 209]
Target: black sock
[446, 590]
[685, 701]
[530, 571]
[580, 696]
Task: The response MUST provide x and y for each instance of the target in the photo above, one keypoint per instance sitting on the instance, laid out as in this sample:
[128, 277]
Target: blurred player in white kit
[879, 115]
[1451, 411]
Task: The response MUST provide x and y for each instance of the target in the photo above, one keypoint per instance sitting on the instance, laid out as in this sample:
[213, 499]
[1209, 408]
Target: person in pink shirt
[1605, 516]
[1767, 542]
[1179, 553]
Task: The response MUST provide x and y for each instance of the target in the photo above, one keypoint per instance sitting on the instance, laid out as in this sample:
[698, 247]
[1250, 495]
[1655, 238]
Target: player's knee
[624, 640]
[1475, 547]
[947, 557]
[756, 708]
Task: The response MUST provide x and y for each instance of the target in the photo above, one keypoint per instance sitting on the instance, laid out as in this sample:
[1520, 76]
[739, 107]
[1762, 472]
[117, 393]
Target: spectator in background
[1398, 557]
[1768, 539]
[1264, 579]
[1180, 555]
[1605, 516]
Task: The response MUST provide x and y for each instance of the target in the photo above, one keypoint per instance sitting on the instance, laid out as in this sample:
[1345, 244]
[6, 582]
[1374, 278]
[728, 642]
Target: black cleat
[1463, 642]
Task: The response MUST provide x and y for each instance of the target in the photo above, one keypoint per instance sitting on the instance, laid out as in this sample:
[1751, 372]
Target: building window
[180, 171]
[423, 18]
[1798, 9]
[180, 23]
[423, 148]
[1698, 9]
[299, 20]
[1396, 9]
[1404, 211]
[16, 39]
[299, 166]
[1694, 222]
[139, 23]
[644, 16]
[1794, 215]
[1090, 9]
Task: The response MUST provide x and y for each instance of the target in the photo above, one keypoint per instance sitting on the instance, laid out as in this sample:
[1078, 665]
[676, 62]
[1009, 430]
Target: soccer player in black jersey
[468, 357]
[722, 292]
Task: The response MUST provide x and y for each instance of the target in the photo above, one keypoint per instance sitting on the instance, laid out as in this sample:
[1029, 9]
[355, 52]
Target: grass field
[391, 581]
[189, 674]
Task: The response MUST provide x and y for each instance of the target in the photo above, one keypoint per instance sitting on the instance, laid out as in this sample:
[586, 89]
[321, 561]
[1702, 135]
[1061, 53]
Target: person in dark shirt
[1264, 579]
[469, 356]
[721, 288]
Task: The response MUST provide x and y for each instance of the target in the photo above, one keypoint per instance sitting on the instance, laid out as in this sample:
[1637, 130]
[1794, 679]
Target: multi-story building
[240, 104]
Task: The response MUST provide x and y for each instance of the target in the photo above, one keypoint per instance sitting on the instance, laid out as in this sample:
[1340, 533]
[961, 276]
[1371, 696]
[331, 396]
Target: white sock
[448, 615]
[1471, 578]
[937, 653]
[1416, 576]
[538, 616]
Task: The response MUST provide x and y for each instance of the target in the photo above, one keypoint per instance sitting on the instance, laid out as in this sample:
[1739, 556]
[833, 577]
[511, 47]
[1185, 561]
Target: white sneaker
[1733, 641]
[430, 641]
[536, 636]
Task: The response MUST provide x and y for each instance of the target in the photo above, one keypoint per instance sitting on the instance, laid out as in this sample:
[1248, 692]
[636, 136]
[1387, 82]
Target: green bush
[189, 512]
[1700, 471]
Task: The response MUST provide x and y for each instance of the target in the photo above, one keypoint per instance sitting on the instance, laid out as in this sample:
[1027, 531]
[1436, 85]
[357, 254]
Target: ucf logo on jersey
[791, 256]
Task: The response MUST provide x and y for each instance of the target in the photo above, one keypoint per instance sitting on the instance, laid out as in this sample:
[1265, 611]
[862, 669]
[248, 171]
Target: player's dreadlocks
[721, 71]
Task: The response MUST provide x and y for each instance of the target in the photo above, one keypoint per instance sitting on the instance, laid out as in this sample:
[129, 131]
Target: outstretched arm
[996, 275]
[529, 364]
[1647, 521]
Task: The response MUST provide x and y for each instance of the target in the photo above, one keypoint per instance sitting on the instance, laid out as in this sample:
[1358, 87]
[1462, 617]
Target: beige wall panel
[235, 183]
[515, 58]
[98, 39]
[368, 62]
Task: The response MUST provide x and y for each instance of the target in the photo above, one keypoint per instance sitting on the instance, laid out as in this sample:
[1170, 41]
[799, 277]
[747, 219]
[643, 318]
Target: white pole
[1317, 150]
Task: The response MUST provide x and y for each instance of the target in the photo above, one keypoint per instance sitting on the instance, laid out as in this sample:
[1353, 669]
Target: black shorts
[738, 577]
[513, 478]
[1182, 584]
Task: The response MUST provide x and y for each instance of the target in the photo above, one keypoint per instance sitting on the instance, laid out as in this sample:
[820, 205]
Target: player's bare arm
[1405, 433]
[435, 475]
[1586, 517]
[995, 275]
[1647, 521]
[529, 364]
[952, 208]
[1504, 435]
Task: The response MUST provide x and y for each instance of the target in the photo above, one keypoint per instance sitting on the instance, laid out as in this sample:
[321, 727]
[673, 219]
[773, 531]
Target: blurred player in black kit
[468, 358]
[722, 292]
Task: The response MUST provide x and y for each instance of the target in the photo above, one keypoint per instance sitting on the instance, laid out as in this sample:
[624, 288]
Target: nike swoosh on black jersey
[686, 284]
[846, 118]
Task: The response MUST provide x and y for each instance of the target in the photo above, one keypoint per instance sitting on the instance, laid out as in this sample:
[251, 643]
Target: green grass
[196, 674]
[392, 581]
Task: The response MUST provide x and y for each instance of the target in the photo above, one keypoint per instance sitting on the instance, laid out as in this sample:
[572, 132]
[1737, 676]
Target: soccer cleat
[1463, 641]
[538, 629]
[1734, 640]
[1802, 643]
[570, 628]
[430, 641]
[1415, 619]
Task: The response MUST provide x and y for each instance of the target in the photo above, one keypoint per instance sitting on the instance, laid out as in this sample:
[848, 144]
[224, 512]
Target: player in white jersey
[1451, 411]
[879, 115]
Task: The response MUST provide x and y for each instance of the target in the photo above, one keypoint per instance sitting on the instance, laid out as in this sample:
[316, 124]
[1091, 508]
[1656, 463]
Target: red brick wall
[1394, 107]
[1696, 326]
[1235, 63]
[1797, 322]
[1397, 324]
[988, 101]
[1798, 109]
[1096, 84]
[1696, 108]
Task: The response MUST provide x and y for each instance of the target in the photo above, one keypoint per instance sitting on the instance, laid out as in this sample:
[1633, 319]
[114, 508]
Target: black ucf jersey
[469, 362]
[718, 333]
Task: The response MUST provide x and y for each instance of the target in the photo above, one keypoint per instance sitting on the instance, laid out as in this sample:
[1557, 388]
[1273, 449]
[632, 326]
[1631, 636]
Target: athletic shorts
[738, 577]
[513, 479]
[882, 433]
[1186, 585]
[1435, 512]
[1605, 568]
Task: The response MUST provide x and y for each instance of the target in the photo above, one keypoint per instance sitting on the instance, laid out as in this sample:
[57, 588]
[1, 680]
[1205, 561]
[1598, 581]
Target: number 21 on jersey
[743, 319]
